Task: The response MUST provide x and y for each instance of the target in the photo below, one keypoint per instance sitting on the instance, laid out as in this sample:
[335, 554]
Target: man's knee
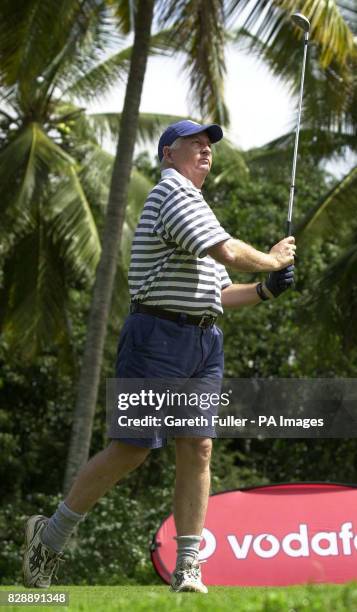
[130, 454]
[196, 451]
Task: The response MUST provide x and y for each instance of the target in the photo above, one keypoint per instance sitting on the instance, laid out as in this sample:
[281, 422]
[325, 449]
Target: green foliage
[330, 28]
[35, 413]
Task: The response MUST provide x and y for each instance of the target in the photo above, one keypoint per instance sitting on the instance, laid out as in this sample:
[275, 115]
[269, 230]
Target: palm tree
[48, 234]
[51, 199]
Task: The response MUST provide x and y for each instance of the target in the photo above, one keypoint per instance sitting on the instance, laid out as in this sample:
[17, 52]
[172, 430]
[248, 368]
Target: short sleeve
[225, 280]
[187, 220]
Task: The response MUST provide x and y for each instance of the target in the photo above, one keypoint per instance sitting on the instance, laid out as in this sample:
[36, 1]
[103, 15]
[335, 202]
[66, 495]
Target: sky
[260, 107]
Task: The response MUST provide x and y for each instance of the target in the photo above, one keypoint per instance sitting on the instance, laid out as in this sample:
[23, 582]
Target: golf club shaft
[292, 186]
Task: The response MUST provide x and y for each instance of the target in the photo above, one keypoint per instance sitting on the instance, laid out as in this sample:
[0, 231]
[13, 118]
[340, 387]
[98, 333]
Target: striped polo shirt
[169, 265]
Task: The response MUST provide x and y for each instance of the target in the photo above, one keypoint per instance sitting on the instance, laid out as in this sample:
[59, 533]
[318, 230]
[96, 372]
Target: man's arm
[245, 258]
[236, 296]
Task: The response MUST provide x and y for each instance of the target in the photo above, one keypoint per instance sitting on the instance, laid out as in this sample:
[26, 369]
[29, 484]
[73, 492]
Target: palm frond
[331, 307]
[34, 64]
[329, 93]
[348, 9]
[318, 144]
[139, 187]
[25, 164]
[150, 127]
[124, 13]
[91, 33]
[25, 46]
[330, 98]
[335, 214]
[71, 124]
[269, 21]
[198, 30]
[95, 176]
[32, 167]
[18, 169]
[231, 159]
[33, 299]
[72, 228]
[98, 80]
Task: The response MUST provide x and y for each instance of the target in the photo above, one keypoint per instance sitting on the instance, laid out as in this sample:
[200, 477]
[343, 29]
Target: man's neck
[197, 181]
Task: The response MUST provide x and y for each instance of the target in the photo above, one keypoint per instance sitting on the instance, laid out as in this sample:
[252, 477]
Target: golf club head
[301, 21]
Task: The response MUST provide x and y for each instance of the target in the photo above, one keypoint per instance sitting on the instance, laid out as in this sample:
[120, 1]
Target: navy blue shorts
[151, 347]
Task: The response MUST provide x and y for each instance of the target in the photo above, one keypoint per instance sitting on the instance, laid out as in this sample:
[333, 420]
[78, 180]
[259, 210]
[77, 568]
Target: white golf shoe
[187, 578]
[40, 562]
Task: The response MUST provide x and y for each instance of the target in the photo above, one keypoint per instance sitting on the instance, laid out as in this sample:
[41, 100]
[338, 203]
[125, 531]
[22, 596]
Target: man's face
[193, 157]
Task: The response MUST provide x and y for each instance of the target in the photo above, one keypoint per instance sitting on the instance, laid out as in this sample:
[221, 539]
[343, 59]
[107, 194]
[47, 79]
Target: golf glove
[277, 282]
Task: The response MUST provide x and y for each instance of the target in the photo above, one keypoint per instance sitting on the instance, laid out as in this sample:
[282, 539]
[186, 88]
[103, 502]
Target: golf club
[303, 23]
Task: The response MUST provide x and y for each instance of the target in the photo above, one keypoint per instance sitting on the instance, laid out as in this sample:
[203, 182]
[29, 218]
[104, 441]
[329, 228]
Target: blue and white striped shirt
[169, 265]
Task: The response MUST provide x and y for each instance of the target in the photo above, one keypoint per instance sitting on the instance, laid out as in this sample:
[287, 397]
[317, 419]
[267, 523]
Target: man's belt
[179, 317]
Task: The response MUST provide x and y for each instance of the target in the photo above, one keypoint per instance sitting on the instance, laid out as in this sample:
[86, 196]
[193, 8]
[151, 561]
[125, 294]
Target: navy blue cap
[186, 128]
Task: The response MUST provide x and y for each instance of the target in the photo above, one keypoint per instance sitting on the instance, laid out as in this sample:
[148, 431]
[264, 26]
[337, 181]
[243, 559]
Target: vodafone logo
[294, 544]
[276, 535]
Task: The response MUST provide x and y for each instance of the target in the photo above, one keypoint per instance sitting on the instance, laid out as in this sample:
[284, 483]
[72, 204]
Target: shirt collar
[171, 172]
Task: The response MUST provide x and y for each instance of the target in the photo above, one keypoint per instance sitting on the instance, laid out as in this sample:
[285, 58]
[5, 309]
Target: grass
[309, 598]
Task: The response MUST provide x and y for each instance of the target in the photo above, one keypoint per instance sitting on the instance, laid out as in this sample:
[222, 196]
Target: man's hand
[283, 253]
[277, 282]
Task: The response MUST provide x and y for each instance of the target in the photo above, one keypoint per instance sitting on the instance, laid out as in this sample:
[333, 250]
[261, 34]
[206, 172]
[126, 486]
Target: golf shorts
[155, 348]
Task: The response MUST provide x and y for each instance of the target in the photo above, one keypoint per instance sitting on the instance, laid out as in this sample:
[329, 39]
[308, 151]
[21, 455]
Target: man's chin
[204, 168]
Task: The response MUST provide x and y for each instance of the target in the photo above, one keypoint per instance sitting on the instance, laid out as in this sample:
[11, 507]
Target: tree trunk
[103, 287]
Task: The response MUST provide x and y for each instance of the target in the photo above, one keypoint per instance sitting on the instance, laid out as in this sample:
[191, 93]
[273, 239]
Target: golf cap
[187, 128]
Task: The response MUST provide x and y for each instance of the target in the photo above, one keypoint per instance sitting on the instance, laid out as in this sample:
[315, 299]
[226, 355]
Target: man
[178, 285]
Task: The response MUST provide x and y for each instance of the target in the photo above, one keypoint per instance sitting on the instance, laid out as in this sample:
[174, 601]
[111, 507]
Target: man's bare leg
[93, 481]
[190, 506]
[193, 480]
[102, 472]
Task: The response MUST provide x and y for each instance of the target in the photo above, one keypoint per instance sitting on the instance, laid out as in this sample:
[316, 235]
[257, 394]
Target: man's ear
[167, 153]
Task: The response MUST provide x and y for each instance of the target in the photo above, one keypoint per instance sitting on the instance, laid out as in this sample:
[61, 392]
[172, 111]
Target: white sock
[60, 527]
[188, 547]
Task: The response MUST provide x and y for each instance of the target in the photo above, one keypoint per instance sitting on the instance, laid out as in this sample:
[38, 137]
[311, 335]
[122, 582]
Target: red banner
[273, 536]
